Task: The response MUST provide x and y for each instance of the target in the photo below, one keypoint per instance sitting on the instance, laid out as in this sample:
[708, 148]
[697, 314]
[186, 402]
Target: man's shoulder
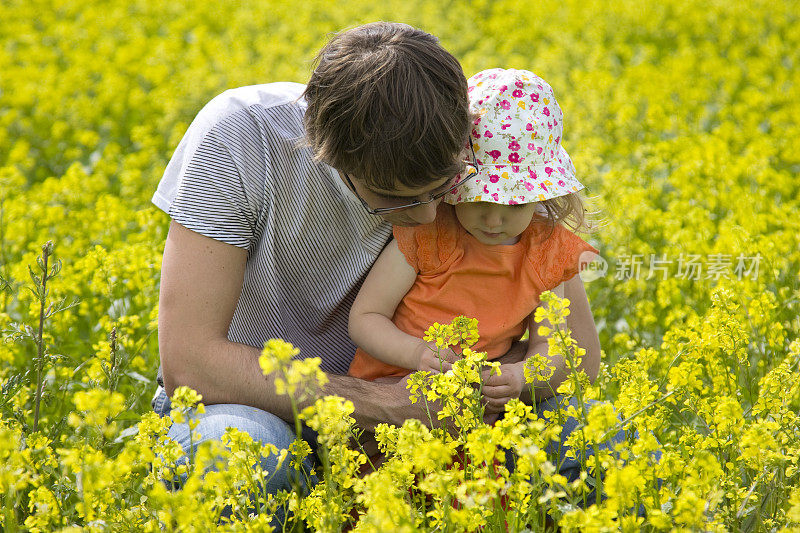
[266, 95]
[235, 102]
[240, 121]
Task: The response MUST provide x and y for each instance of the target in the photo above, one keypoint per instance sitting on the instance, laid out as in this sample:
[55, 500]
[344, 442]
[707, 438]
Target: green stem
[356, 437]
[298, 430]
[298, 427]
[427, 407]
[579, 393]
[191, 440]
[46, 249]
[3, 260]
[623, 423]
[112, 338]
[10, 521]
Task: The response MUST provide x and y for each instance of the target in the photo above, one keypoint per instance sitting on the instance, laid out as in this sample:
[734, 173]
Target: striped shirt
[241, 175]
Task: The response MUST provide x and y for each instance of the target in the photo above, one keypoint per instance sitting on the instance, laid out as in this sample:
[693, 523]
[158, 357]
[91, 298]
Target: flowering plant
[682, 118]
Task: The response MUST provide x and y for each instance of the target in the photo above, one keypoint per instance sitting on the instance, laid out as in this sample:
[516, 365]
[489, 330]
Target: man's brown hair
[388, 105]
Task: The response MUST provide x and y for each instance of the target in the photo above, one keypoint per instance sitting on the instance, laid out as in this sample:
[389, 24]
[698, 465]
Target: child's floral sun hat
[517, 141]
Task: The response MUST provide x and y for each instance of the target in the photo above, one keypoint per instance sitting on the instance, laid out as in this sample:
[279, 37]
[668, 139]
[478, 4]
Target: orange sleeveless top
[458, 275]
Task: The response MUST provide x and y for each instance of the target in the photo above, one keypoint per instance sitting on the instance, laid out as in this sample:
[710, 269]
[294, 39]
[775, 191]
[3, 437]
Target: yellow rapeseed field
[682, 117]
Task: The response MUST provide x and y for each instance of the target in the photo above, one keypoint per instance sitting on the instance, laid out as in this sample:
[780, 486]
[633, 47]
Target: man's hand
[386, 400]
[430, 361]
[497, 390]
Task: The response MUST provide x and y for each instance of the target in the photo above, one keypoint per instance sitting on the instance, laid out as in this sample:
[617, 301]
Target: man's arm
[201, 280]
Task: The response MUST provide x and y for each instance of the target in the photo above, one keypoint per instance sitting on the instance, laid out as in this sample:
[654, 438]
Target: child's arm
[371, 326]
[511, 383]
[581, 323]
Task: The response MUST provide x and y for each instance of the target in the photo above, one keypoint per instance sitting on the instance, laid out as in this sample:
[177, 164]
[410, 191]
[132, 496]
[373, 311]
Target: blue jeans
[260, 425]
[568, 467]
[269, 429]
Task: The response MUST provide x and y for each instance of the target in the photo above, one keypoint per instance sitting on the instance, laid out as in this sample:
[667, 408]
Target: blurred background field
[683, 118]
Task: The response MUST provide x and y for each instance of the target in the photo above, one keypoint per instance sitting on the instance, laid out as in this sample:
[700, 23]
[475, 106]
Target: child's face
[494, 223]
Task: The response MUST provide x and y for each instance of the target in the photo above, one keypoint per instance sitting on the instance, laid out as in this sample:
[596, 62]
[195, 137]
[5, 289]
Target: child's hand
[497, 390]
[428, 360]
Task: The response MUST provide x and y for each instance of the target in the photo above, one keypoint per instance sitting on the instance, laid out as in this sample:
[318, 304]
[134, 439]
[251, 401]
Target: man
[267, 240]
[281, 198]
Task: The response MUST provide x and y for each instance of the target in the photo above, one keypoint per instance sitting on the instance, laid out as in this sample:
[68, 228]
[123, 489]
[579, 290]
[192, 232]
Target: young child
[491, 253]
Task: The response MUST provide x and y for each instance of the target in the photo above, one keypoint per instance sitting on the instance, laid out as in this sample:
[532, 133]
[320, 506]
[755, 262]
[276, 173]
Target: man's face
[412, 216]
[405, 206]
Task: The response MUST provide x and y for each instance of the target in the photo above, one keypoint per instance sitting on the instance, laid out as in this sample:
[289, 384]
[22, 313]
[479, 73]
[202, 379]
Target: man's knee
[262, 427]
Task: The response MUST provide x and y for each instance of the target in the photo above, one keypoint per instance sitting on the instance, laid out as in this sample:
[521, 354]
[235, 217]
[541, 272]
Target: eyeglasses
[473, 171]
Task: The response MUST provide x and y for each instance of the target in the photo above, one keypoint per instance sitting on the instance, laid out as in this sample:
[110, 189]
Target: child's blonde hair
[571, 210]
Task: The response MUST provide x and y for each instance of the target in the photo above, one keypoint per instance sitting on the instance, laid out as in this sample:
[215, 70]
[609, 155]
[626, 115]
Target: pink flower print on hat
[519, 145]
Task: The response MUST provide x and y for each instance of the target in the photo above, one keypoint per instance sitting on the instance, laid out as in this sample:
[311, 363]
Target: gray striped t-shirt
[240, 176]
